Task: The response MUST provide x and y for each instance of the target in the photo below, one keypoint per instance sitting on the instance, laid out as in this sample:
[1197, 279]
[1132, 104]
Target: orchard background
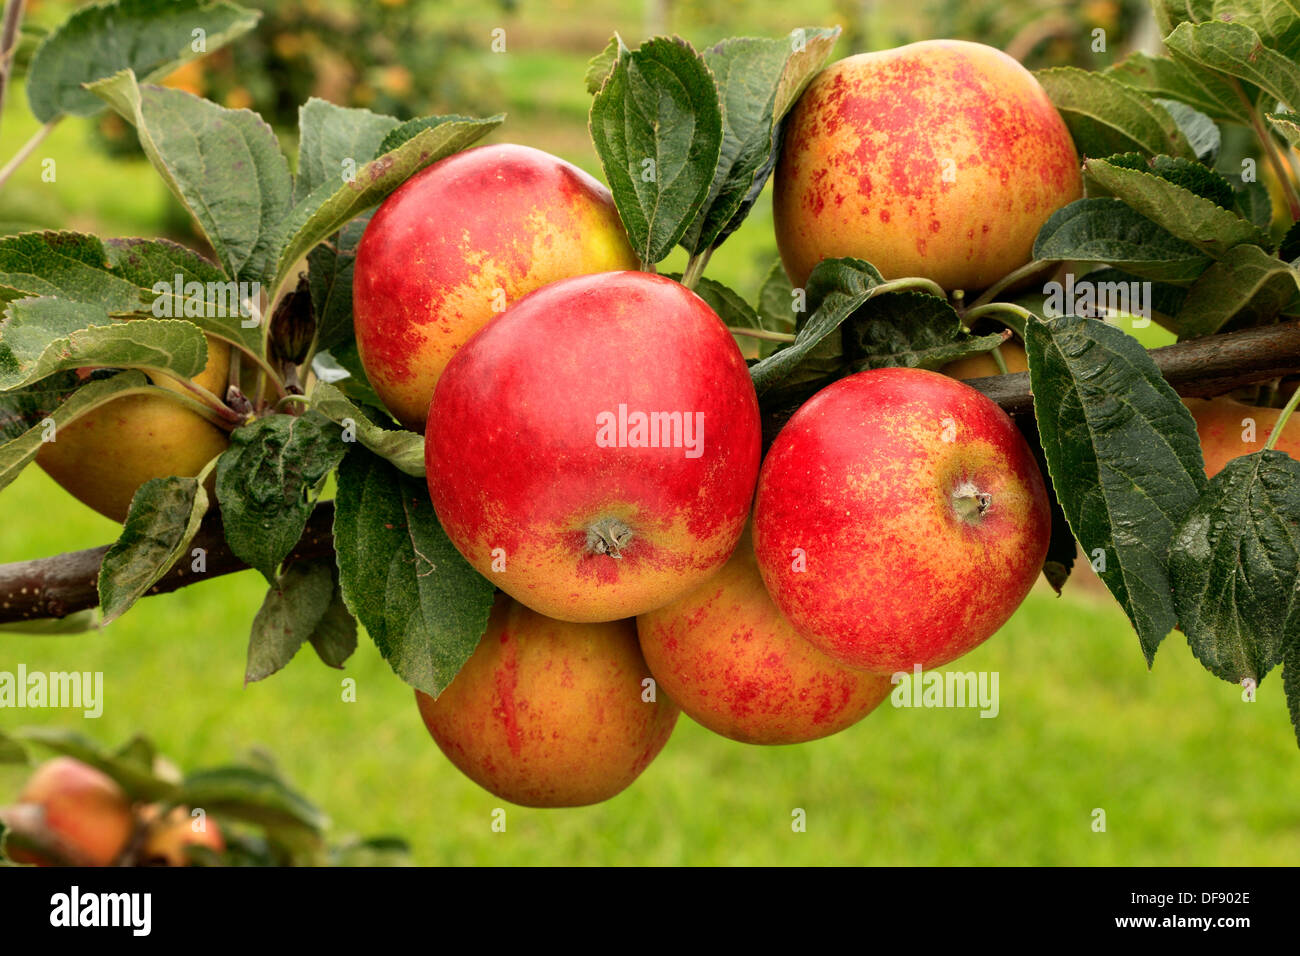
[1186, 772]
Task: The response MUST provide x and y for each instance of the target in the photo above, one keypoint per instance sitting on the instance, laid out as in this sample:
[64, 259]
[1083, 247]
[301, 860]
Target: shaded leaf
[1106, 117]
[1247, 279]
[1107, 230]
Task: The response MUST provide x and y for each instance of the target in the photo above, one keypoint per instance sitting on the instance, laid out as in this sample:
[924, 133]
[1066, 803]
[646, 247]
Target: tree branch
[57, 586]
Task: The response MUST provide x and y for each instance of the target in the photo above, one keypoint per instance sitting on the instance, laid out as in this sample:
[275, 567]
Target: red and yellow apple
[900, 519]
[1229, 429]
[983, 365]
[167, 836]
[593, 450]
[940, 159]
[549, 713]
[82, 810]
[729, 659]
[103, 457]
[459, 241]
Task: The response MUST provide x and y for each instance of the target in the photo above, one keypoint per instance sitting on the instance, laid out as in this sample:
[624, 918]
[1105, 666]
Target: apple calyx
[608, 536]
[970, 504]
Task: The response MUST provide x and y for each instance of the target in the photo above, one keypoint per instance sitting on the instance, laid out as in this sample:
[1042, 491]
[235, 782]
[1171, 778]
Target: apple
[456, 243]
[939, 159]
[900, 519]
[167, 836]
[1222, 425]
[732, 663]
[83, 810]
[593, 450]
[103, 458]
[550, 713]
[982, 364]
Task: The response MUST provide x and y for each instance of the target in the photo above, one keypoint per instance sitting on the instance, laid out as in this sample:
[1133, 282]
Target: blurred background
[1185, 772]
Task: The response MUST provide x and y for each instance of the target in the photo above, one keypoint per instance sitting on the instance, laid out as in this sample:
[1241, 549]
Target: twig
[27, 149]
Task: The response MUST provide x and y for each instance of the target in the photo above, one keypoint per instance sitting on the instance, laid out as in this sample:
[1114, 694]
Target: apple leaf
[340, 366]
[47, 335]
[224, 165]
[164, 517]
[327, 207]
[1202, 133]
[1235, 49]
[729, 305]
[1170, 13]
[1253, 203]
[1106, 117]
[334, 141]
[758, 81]
[151, 37]
[68, 265]
[404, 449]
[334, 638]
[1246, 280]
[330, 268]
[1291, 682]
[1123, 456]
[1180, 211]
[1234, 565]
[657, 127]
[1105, 229]
[420, 601]
[294, 607]
[1288, 125]
[1164, 77]
[602, 64]
[776, 307]
[909, 329]
[250, 794]
[266, 481]
[1276, 21]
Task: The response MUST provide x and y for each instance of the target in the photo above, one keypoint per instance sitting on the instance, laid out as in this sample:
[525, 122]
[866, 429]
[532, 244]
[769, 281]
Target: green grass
[1186, 772]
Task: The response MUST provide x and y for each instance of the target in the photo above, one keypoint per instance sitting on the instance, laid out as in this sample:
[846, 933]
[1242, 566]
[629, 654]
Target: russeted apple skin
[874, 487]
[103, 458]
[83, 806]
[518, 478]
[550, 713]
[732, 663]
[460, 239]
[940, 159]
[1220, 426]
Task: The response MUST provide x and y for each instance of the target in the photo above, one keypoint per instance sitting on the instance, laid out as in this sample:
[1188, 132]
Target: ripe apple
[168, 836]
[1222, 425]
[103, 458]
[900, 519]
[549, 713]
[729, 659]
[982, 365]
[83, 809]
[593, 450]
[939, 159]
[456, 243]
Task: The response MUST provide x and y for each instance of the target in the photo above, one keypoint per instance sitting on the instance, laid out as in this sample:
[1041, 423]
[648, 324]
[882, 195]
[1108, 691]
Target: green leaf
[1246, 280]
[1106, 117]
[835, 289]
[293, 608]
[330, 269]
[1276, 21]
[335, 637]
[325, 209]
[602, 64]
[1161, 76]
[151, 37]
[1180, 211]
[1107, 230]
[1253, 203]
[1123, 455]
[775, 309]
[422, 604]
[47, 335]
[911, 330]
[164, 517]
[1233, 565]
[1291, 683]
[340, 366]
[246, 793]
[335, 141]
[139, 783]
[1288, 124]
[1170, 13]
[1201, 132]
[404, 449]
[1236, 49]
[225, 166]
[657, 126]
[731, 308]
[68, 265]
[266, 481]
[758, 81]
[400, 134]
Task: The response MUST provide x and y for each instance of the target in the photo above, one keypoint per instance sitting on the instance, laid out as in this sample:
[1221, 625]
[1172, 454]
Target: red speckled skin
[861, 479]
[513, 462]
[862, 169]
[730, 660]
[1219, 426]
[442, 250]
[550, 714]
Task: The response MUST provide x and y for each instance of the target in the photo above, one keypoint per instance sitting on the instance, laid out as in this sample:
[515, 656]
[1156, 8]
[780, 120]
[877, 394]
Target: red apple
[456, 243]
[900, 519]
[940, 159]
[167, 837]
[593, 450]
[729, 659]
[84, 811]
[549, 713]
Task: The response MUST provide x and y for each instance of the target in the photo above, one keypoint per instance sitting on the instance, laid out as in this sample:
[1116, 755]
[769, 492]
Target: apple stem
[1282, 419]
[909, 282]
[760, 334]
[1010, 279]
[695, 268]
[979, 310]
[608, 536]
